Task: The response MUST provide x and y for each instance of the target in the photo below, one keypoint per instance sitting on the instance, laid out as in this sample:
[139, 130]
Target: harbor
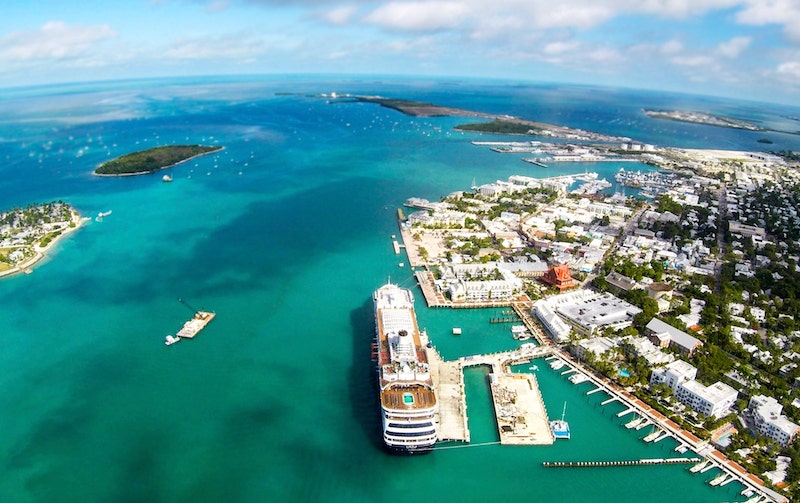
[518, 405]
[659, 427]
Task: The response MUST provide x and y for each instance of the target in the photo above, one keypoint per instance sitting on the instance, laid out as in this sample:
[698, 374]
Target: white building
[479, 282]
[597, 345]
[768, 420]
[558, 329]
[588, 311]
[715, 400]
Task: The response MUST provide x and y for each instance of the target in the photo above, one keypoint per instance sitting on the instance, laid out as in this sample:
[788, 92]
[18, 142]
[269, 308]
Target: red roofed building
[559, 277]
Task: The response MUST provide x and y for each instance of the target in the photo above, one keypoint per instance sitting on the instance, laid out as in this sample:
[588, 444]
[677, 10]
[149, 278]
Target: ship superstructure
[408, 402]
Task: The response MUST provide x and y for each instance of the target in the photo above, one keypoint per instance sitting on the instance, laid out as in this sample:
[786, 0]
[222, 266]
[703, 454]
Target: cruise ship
[408, 402]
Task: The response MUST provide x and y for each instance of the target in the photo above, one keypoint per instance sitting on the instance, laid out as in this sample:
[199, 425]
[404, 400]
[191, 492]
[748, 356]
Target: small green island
[152, 160]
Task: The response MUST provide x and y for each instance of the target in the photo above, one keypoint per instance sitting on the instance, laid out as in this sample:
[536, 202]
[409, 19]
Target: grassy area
[151, 160]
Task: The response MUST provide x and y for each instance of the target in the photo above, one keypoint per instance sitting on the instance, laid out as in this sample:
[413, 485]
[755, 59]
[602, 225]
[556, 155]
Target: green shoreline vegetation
[152, 160]
[500, 127]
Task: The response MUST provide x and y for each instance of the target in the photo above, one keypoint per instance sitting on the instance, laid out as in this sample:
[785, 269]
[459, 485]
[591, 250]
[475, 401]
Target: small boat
[171, 339]
[166, 178]
[560, 427]
[100, 216]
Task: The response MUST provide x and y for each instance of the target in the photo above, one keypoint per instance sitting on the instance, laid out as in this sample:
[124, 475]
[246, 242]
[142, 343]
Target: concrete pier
[624, 412]
[448, 382]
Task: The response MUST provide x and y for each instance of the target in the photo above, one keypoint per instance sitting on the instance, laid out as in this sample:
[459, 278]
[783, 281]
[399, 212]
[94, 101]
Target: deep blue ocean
[284, 234]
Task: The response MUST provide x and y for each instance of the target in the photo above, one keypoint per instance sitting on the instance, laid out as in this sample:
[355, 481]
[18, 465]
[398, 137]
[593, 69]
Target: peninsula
[499, 124]
[152, 160]
[26, 234]
[702, 118]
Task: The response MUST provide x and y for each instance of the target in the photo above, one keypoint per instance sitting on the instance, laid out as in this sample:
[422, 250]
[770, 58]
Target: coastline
[138, 173]
[40, 253]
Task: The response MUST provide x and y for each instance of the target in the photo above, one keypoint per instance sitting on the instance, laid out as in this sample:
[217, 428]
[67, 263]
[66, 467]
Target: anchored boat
[560, 427]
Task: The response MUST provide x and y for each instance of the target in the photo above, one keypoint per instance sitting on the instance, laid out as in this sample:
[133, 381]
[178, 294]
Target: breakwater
[636, 462]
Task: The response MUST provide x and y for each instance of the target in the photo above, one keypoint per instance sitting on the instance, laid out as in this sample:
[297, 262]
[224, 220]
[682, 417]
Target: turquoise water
[285, 234]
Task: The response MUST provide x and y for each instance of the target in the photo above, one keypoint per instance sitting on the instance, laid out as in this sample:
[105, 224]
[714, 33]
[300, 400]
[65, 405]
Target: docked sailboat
[560, 427]
[408, 402]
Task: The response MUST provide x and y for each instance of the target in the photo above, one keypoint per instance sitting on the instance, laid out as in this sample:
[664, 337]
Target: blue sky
[740, 48]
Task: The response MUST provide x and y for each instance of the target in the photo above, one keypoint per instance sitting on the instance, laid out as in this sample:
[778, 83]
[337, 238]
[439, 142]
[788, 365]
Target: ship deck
[408, 398]
[196, 324]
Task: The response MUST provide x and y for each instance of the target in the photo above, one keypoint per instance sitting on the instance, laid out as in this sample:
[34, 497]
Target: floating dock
[196, 324]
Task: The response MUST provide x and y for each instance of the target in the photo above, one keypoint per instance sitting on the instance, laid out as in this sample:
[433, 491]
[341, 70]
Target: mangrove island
[152, 160]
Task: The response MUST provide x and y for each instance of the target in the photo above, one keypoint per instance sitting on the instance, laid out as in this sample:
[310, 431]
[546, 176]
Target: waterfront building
[479, 282]
[553, 324]
[596, 345]
[673, 374]
[644, 348]
[664, 334]
[588, 311]
[715, 400]
[768, 420]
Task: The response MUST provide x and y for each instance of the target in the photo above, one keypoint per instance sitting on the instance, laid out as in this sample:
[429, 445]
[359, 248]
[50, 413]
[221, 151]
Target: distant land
[422, 109]
[702, 118]
[152, 160]
[500, 124]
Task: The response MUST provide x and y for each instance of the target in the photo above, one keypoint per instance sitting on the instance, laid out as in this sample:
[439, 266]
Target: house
[663, 334]
[559, 277]
[620, 282]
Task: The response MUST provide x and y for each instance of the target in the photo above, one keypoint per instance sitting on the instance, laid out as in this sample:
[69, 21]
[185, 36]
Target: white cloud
[557, 48]
[236, 46]
[671, 47]
[340, 15]
[418, 16]
[54, 40]
[784, 13]
[693, 61]
[789, 69]
[677, 8]
[733, 47]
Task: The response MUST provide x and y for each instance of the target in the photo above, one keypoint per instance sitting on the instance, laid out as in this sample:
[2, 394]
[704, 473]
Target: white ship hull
[408, 401]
